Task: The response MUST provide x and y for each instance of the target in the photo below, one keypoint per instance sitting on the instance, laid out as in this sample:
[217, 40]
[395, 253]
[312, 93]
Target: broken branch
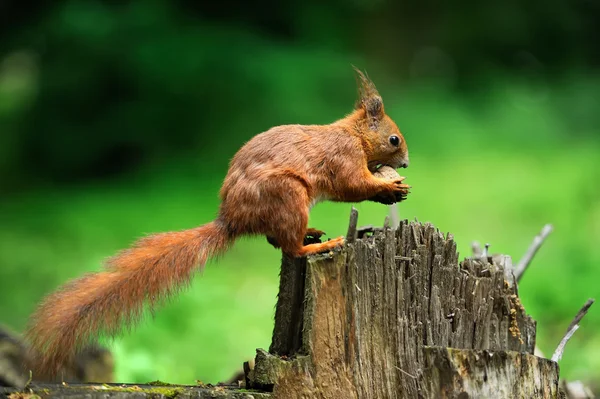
[531, 251]
[571, 330]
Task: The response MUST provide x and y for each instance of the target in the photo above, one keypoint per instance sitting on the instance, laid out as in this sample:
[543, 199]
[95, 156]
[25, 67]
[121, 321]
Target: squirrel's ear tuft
[368, 98]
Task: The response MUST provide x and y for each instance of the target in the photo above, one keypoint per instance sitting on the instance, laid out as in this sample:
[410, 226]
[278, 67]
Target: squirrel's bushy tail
[153, 269]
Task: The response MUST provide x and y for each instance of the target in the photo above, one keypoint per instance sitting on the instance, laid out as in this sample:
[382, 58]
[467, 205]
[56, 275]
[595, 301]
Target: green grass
[472, 174]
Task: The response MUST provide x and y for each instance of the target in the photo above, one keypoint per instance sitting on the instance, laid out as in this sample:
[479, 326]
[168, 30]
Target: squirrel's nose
[404, 164]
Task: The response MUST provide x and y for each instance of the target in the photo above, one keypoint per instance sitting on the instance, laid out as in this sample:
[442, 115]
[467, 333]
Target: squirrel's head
[384, 143]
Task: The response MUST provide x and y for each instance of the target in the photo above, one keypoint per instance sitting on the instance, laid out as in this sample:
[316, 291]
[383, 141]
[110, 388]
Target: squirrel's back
[305, 151]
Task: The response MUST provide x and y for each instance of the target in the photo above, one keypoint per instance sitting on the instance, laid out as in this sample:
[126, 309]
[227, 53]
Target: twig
[582, 312]
[351, 235]
[486, 250]
[576, 389]
[394, 215]
[408, 374]
[561, 347]
[476, 248]
[571, 330]
[531, 251]
[28, 384]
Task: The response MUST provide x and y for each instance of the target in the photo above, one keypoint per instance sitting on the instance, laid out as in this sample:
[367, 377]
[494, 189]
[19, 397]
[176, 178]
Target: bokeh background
[118, 118]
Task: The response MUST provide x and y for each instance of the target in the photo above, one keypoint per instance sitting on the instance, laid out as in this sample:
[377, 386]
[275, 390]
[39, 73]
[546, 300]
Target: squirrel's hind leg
[288, 221]
[294, 238]
[312, 236]
[311, 248]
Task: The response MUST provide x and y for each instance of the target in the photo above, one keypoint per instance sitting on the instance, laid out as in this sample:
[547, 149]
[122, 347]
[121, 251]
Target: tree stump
[393, 314]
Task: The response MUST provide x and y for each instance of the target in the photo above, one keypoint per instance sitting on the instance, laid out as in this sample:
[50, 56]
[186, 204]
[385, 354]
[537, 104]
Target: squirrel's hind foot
[321, 247]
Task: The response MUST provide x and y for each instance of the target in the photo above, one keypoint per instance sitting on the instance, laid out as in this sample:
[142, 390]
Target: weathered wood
[287, 332]
[393, 314]
[485, 374]
[351, 235]
[371, 310]
[131, 391]
[92, 363]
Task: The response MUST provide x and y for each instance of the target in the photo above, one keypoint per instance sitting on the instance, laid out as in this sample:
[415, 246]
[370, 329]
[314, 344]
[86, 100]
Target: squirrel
[272, 183]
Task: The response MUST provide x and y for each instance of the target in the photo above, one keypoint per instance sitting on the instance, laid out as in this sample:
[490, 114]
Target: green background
[119, 118]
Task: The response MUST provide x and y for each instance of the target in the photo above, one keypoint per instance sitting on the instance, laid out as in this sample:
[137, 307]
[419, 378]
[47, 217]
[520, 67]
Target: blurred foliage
[118, 119]
[91, 89]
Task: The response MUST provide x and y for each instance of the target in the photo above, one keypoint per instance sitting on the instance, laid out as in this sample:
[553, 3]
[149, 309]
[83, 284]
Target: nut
[387, 172]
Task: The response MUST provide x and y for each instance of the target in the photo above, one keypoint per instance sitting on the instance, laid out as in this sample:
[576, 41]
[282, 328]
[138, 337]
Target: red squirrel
[272, 183]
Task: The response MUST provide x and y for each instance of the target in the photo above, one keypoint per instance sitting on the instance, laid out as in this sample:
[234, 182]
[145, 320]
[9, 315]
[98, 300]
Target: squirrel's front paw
[400, 187]
[388, 199]
[396, 192]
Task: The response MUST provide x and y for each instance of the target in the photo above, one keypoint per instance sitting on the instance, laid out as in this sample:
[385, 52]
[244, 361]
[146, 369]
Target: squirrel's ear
[368, 98]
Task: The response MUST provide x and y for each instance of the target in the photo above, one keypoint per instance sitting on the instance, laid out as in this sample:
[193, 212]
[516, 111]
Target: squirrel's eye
[395, 140]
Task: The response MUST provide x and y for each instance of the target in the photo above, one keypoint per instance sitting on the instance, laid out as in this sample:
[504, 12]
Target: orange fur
[151, 271]
[272, 182]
